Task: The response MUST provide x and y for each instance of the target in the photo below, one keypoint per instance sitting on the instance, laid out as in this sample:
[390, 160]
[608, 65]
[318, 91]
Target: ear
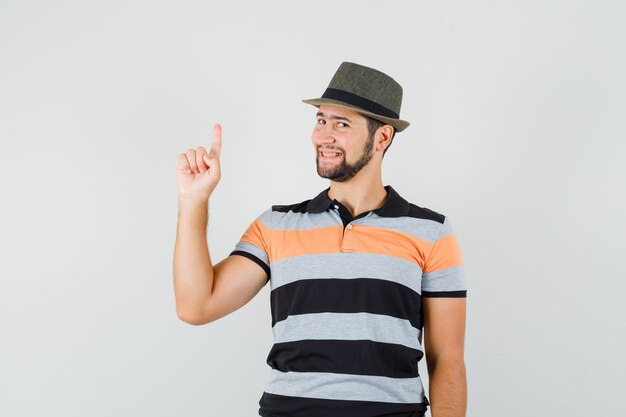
[383, 137]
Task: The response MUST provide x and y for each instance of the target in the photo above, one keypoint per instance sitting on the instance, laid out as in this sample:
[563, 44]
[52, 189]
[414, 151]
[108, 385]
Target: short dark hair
[372, 127]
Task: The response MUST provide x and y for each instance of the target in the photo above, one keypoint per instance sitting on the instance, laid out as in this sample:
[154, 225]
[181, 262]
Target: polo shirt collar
[394, 206]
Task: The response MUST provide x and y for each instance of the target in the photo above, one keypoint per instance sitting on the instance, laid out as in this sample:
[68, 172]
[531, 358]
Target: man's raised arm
[204, 292]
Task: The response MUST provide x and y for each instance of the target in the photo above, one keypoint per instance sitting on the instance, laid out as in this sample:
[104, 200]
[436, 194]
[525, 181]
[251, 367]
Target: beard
[343, 171]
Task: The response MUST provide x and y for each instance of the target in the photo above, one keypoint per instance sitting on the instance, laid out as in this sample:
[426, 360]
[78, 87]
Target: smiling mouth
[329, 155]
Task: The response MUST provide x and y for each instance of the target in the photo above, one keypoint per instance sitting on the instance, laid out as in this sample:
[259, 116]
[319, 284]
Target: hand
[198, 171]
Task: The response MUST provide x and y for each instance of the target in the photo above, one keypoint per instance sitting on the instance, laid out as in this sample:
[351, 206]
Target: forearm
[448, 387]
[193, 269]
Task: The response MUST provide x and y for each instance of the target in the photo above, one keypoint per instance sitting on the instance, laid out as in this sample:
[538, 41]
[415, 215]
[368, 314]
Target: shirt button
[336, 206]
[350, 226]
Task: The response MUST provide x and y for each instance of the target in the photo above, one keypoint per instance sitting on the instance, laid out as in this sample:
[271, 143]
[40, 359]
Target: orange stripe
[288, 243]
[256, 235]
[381, 241]
[446, 254]
[360, 239]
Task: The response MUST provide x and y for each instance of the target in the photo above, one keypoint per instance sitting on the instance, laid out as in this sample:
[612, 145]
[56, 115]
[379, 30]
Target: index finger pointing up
[216, 143]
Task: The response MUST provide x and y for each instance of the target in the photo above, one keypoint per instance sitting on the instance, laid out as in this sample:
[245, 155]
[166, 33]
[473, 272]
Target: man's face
[344, 131]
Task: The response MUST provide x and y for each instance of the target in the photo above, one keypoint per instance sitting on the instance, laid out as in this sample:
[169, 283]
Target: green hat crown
[366, 90]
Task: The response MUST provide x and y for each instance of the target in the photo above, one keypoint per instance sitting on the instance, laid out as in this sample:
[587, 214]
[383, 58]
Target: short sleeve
[444, 271]
[254, 243]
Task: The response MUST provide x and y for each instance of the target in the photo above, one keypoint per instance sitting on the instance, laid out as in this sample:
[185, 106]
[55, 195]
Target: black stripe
[359, 101]
[354, 295]
[255, 259]
[274, 405]
[452, 294]
[355, 357]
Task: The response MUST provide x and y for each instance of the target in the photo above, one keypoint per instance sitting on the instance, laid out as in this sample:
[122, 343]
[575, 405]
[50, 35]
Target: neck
[359, 194]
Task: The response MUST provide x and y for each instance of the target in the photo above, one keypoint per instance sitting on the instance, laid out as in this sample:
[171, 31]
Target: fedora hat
[366, 90]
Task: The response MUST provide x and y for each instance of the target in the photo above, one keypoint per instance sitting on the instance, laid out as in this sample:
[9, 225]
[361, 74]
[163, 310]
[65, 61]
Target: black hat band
[365, 104]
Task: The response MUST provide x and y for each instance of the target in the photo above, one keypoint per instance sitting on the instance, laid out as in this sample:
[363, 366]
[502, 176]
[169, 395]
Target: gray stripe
[424, 229]
[253, 249]
[446, 228]
[266, 217]
[347, 326]
[347, 265]
[450, 279]
[331, 386]
[305, 221]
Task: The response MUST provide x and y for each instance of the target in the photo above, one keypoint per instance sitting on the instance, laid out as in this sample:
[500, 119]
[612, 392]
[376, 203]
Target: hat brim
[398, 124]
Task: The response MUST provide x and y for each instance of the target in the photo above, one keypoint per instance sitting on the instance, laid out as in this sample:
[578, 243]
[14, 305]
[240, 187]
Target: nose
[323, 134]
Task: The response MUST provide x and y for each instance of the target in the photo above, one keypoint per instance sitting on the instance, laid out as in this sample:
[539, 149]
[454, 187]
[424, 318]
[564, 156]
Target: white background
[518, 135]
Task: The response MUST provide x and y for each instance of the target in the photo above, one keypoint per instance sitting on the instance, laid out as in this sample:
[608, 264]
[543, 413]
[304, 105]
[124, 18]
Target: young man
[356, 273]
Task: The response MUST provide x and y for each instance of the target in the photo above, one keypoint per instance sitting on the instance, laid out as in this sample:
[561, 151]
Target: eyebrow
[334, 117]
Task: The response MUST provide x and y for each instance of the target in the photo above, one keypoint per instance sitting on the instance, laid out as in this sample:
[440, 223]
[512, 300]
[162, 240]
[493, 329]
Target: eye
[342, 124]
[321, 121]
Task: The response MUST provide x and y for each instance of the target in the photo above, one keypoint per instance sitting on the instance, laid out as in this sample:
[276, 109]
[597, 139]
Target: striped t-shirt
[346, 303]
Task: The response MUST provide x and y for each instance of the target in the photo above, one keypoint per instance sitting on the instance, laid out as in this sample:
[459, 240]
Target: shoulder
[437, 223]
[425, 213]
[397, 205]
[300, 207]
[277, 214]
[426, 223]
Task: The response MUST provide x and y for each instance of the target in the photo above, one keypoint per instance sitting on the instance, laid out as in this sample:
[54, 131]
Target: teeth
[330, 154]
